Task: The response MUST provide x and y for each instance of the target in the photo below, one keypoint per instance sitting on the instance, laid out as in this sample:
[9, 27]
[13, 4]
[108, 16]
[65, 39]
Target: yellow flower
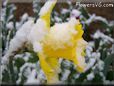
[62, 41]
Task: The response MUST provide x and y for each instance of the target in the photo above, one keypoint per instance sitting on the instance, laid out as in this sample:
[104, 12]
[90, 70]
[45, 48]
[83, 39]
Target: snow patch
[90, 63]
[18, 41]
[64, 11]
[24, 17]
[27, 71]
[9, 25]
[75, 13]
[37, 47]
[90, 19]
[99, 34]
[65, 74]
[57, 19]
[90, 76]
[24, 56]
[93, 17]
[32, 78]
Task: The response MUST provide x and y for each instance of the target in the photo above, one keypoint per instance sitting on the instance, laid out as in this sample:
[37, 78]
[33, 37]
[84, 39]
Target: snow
[24, 17]
[90, 76]
[27, 72]
[75, 13]
[90, 63]
[9, 25]
[101, 19]
[111, 23]
[113, 48]
[61, 34]
[25, 56]
[18, 25]
[103, 76]
[41, 76]
[18, 41]
[37, 47]
[93, 17]
[100, 65]
[37, 34]
[57, 19]
[2, 16]
[60, 60]
[40, 72]
[89, 49]
[64, 11]
[2, 68]
[67, 63]
[35, 5]
[38, 31]
[106, 38]
[33, 73]
[97, 35]
[5, 2]
[77, 76]
[90, 19]
[47, 7]
[97, 55]
[31, 78]
[65, 74]
[21, 36]
[5, 59]
[73, 21]
[69, 2]
[10, 17]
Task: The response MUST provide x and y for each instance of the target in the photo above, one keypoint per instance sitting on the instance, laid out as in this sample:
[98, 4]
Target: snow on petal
[49, 5]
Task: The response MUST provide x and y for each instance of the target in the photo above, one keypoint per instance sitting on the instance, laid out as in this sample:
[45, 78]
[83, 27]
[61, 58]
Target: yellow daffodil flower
[61, 41]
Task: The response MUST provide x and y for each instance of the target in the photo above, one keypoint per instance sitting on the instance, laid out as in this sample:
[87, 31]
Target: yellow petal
[54, 63]
[53, 77]
[44, 65]
[79, 59]
[50, 67]
[46, 10]
[79, 30]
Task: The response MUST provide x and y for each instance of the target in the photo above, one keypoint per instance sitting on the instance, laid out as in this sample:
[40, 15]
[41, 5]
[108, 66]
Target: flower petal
[79, 59]
[50, 67]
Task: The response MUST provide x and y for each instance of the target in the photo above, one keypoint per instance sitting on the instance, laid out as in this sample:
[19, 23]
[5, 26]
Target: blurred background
[98, 25]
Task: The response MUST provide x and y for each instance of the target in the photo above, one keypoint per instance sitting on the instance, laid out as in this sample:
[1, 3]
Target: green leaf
[109, 59]
[84, 13]
[34, 57]
[110, 75]
[106, 25]
[6, 77]
[12, 72]
[97, 79]
[83, 76]
[97, 41]
[19, 62]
